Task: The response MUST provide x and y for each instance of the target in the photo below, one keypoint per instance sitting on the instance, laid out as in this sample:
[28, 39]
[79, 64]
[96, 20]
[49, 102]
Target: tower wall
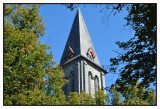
[81, 69]
[67, 69]
[80, 62]
[95, 71]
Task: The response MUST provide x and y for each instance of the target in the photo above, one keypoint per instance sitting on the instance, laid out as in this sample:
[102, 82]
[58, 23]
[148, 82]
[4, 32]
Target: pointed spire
[79, 41]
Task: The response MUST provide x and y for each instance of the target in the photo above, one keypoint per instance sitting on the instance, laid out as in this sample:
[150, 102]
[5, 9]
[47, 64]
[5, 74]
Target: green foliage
[26, 61]
[99, 98]
[74, 98]
[134, 95]
[139, 53]
[139, 57]
[115, 96]
[70, 6]
[86, 99]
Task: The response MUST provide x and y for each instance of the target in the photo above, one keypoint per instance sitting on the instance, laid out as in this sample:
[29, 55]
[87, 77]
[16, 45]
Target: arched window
[65, 87]
[72, 81]
[96, 83]
[89, 81]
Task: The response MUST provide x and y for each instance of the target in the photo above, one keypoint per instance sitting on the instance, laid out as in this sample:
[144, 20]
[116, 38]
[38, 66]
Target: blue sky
[104, 32]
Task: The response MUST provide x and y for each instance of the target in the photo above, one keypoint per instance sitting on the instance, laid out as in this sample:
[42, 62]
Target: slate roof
[79, 40]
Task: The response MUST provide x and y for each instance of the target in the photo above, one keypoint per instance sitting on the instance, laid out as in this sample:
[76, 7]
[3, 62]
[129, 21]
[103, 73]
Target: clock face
[69, 53]
[91, 54]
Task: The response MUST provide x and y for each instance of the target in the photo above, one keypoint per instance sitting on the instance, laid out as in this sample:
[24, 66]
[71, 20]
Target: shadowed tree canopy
[133, 95]
[139, 53]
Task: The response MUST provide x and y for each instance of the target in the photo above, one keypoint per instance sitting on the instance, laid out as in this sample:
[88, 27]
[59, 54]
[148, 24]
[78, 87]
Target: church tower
[79, 61]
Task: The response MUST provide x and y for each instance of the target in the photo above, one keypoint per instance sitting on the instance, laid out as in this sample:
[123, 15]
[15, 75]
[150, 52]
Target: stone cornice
[81, 56]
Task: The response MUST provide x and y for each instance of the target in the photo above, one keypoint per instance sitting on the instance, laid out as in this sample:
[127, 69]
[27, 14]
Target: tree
[26, 61]
[74, 98]
[133, 95]
[99, 98]
[138, 56]
[86, 99]
[139, 53]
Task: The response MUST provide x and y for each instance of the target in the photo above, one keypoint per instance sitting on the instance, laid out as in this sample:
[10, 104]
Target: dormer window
[90, 54]
[69, 53]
